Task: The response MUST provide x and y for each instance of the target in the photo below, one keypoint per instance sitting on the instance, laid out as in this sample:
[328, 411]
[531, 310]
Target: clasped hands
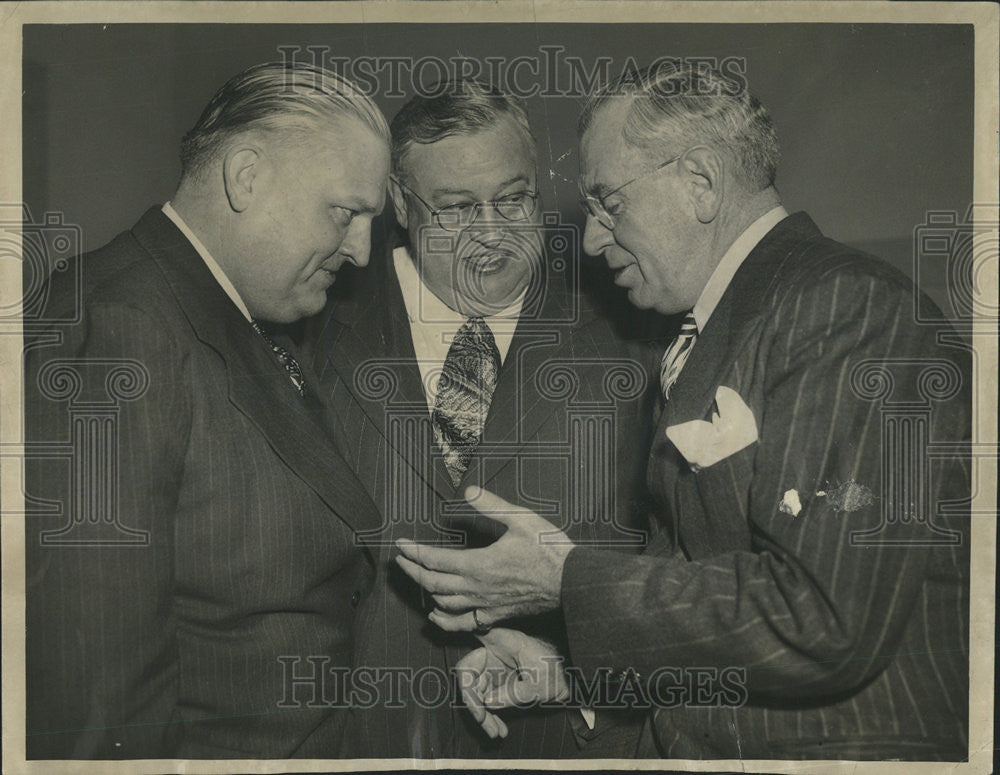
[519, 574]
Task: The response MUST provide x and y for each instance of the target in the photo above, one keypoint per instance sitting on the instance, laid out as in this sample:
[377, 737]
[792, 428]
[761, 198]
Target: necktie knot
[676, 354]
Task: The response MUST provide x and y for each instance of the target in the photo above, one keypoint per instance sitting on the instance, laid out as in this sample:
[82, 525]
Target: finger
[454, 622]
[458, 604]
[511, 695]
[494, 507]
[474, 702]
[437, 558]
[432, 580]
[491, 725]
[465, 615]
[471, 692]
[524, 692]
[474, 706]
[471, 672]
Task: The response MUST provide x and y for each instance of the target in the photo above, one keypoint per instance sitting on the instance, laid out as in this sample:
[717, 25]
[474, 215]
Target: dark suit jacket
[221, 554]
[562, 437]
[851, 616]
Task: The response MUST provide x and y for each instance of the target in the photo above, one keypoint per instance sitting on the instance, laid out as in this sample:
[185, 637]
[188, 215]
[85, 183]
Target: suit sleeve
[806, 610]
[113, 399]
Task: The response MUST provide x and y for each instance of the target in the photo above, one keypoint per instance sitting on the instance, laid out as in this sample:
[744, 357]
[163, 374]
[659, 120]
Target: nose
[488, 227]
[596, 238]
[357, 245]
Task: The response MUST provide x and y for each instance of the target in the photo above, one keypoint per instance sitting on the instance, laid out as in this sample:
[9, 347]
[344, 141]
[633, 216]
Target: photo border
[983, 16]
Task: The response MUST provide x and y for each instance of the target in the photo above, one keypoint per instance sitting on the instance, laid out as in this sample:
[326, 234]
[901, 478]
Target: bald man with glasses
[464, 359]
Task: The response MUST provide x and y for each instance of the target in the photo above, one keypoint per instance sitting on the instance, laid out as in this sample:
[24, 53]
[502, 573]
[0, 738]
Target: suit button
[355, 599]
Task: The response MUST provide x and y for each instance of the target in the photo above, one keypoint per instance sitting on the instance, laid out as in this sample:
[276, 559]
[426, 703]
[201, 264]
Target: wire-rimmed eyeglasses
[457, 217]
[594, 205]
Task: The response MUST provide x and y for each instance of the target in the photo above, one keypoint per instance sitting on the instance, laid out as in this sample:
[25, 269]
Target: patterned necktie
[677, 354]
[285, 358]
[468, 379]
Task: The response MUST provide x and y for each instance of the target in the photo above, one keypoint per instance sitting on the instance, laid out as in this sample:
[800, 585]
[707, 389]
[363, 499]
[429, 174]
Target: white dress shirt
[210, 262]
[433, 324]
[731, 262]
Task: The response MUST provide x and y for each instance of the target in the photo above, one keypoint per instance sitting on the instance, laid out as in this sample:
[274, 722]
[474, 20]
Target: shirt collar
[731, 262]
[213, 266]
[421, 302]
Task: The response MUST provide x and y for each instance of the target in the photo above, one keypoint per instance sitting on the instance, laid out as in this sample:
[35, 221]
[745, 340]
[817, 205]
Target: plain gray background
[875, 121]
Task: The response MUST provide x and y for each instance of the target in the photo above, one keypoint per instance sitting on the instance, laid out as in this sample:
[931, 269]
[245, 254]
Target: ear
[240, 171]
[706, 171]
[398, 201]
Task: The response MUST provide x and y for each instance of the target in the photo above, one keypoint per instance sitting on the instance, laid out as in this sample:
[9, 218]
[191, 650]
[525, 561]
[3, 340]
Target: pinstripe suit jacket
[851, 616]
[170, 627]
[562, 436]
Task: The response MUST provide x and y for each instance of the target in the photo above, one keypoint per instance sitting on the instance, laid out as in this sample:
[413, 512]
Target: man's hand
[510, 669]
[517, 575]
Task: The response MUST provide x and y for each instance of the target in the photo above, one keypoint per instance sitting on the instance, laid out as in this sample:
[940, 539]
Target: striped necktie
[285, 358]
[677, 354]
[465, 390]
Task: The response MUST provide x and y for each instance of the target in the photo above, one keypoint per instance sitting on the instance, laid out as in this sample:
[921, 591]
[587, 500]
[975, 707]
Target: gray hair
[460, 106]
[275, 95]
[678, 104]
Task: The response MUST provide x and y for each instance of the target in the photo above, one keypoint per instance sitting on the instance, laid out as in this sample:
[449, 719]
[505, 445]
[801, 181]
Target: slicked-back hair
[675, 105]
[276, 95]
[460, 106]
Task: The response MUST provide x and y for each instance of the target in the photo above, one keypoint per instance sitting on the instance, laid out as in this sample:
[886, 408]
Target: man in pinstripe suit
[176, 593]
[803, 545]
[464, 187]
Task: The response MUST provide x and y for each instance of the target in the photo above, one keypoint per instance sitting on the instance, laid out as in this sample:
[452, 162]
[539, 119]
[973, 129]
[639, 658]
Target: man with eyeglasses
[806, 595]
[448, 367]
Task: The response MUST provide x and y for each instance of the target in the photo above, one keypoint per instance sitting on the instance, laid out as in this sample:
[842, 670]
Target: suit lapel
[372, 339]
[723, 340]
[257, 386]
[518, 409]
[738, 310]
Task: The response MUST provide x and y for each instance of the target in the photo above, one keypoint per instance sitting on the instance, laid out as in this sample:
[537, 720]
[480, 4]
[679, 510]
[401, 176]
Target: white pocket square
[732, 428]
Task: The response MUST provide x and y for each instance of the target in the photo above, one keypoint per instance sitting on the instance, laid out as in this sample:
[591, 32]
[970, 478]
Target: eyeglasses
[458, 217]
[594, 205]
